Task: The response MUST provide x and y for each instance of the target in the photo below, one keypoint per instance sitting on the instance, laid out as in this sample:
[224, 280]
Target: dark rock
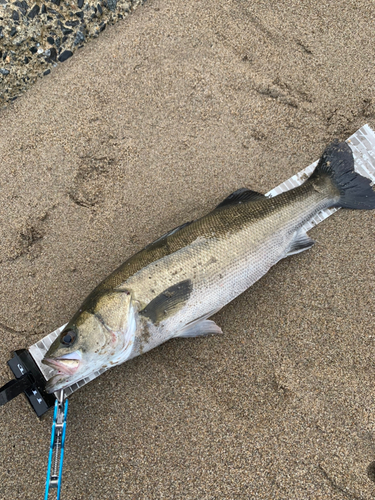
[80, 14]
[100, 10]
[56, 2]
[80, 37]
[112, 5]
[22, 6]
[72, 23]
[65, 55]
[50, 40]
[26, 60]
[80, 4]
[58, 42]
[102, 26]
[47, 72]
[4, 71]
[44, 9]
[49, 18]
[13, 31]
[64, 39]
[33, 50]
[15, 16]
[53, 54]
[33, 12]
[66, 31]
[52, 11]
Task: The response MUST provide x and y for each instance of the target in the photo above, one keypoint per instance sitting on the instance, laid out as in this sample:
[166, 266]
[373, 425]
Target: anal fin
[300, 243]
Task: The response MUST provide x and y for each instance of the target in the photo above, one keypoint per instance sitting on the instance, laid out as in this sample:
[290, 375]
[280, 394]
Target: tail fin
[337, 163]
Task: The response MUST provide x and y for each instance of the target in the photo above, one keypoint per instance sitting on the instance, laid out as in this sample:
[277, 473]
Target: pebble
[36, 36]
[79, 38]
[33, 12]
[65, 55]
[112, 4]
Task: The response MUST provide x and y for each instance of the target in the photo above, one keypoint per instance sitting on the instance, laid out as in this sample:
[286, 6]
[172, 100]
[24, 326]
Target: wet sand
[148, 127]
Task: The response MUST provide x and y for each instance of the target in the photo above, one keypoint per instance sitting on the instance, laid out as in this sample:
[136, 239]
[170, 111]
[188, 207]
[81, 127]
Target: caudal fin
[337, 163]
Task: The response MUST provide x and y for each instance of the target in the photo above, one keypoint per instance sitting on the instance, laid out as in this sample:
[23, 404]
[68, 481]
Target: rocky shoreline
[36, 36]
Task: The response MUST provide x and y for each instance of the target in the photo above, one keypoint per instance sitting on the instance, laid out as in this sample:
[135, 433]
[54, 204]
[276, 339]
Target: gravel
[36, 37]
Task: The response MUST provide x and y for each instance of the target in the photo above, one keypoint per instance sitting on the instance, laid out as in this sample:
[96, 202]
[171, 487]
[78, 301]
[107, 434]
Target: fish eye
[67, 338]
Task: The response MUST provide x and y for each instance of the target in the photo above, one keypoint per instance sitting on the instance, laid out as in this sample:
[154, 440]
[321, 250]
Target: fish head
[99, 336]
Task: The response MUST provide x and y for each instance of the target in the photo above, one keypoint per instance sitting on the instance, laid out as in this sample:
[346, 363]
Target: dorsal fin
[242, 195]
[162, 239]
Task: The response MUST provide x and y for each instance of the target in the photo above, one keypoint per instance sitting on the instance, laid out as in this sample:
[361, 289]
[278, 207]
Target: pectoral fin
[168, 302]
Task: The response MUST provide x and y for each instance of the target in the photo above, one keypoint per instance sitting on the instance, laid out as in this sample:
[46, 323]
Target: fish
[174, 285]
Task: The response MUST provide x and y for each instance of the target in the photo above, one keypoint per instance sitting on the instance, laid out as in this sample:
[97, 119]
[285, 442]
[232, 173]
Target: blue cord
[62, 450]
[57, 446]
[51, 450]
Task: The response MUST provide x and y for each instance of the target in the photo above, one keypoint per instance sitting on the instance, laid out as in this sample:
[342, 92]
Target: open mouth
[65, 365]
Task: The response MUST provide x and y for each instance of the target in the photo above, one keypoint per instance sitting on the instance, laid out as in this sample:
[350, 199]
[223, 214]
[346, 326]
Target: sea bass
[171, 287]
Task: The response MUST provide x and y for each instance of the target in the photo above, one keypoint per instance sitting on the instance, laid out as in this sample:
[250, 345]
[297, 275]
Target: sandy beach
[147, 127]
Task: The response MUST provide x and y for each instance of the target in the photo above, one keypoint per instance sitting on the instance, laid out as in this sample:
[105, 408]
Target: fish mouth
[67, 364]
[57, 382]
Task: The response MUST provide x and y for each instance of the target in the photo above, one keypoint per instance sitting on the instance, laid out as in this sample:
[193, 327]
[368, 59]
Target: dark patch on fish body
[168, 302]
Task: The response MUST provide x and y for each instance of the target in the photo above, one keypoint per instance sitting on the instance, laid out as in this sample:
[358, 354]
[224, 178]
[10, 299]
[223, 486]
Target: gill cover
[101, 334]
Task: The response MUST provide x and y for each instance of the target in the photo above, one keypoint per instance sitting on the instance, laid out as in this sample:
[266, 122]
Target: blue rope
[58, 448]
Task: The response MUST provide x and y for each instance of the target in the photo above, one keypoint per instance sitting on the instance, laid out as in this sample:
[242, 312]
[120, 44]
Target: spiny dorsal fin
[168, 302]
[242, 195]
